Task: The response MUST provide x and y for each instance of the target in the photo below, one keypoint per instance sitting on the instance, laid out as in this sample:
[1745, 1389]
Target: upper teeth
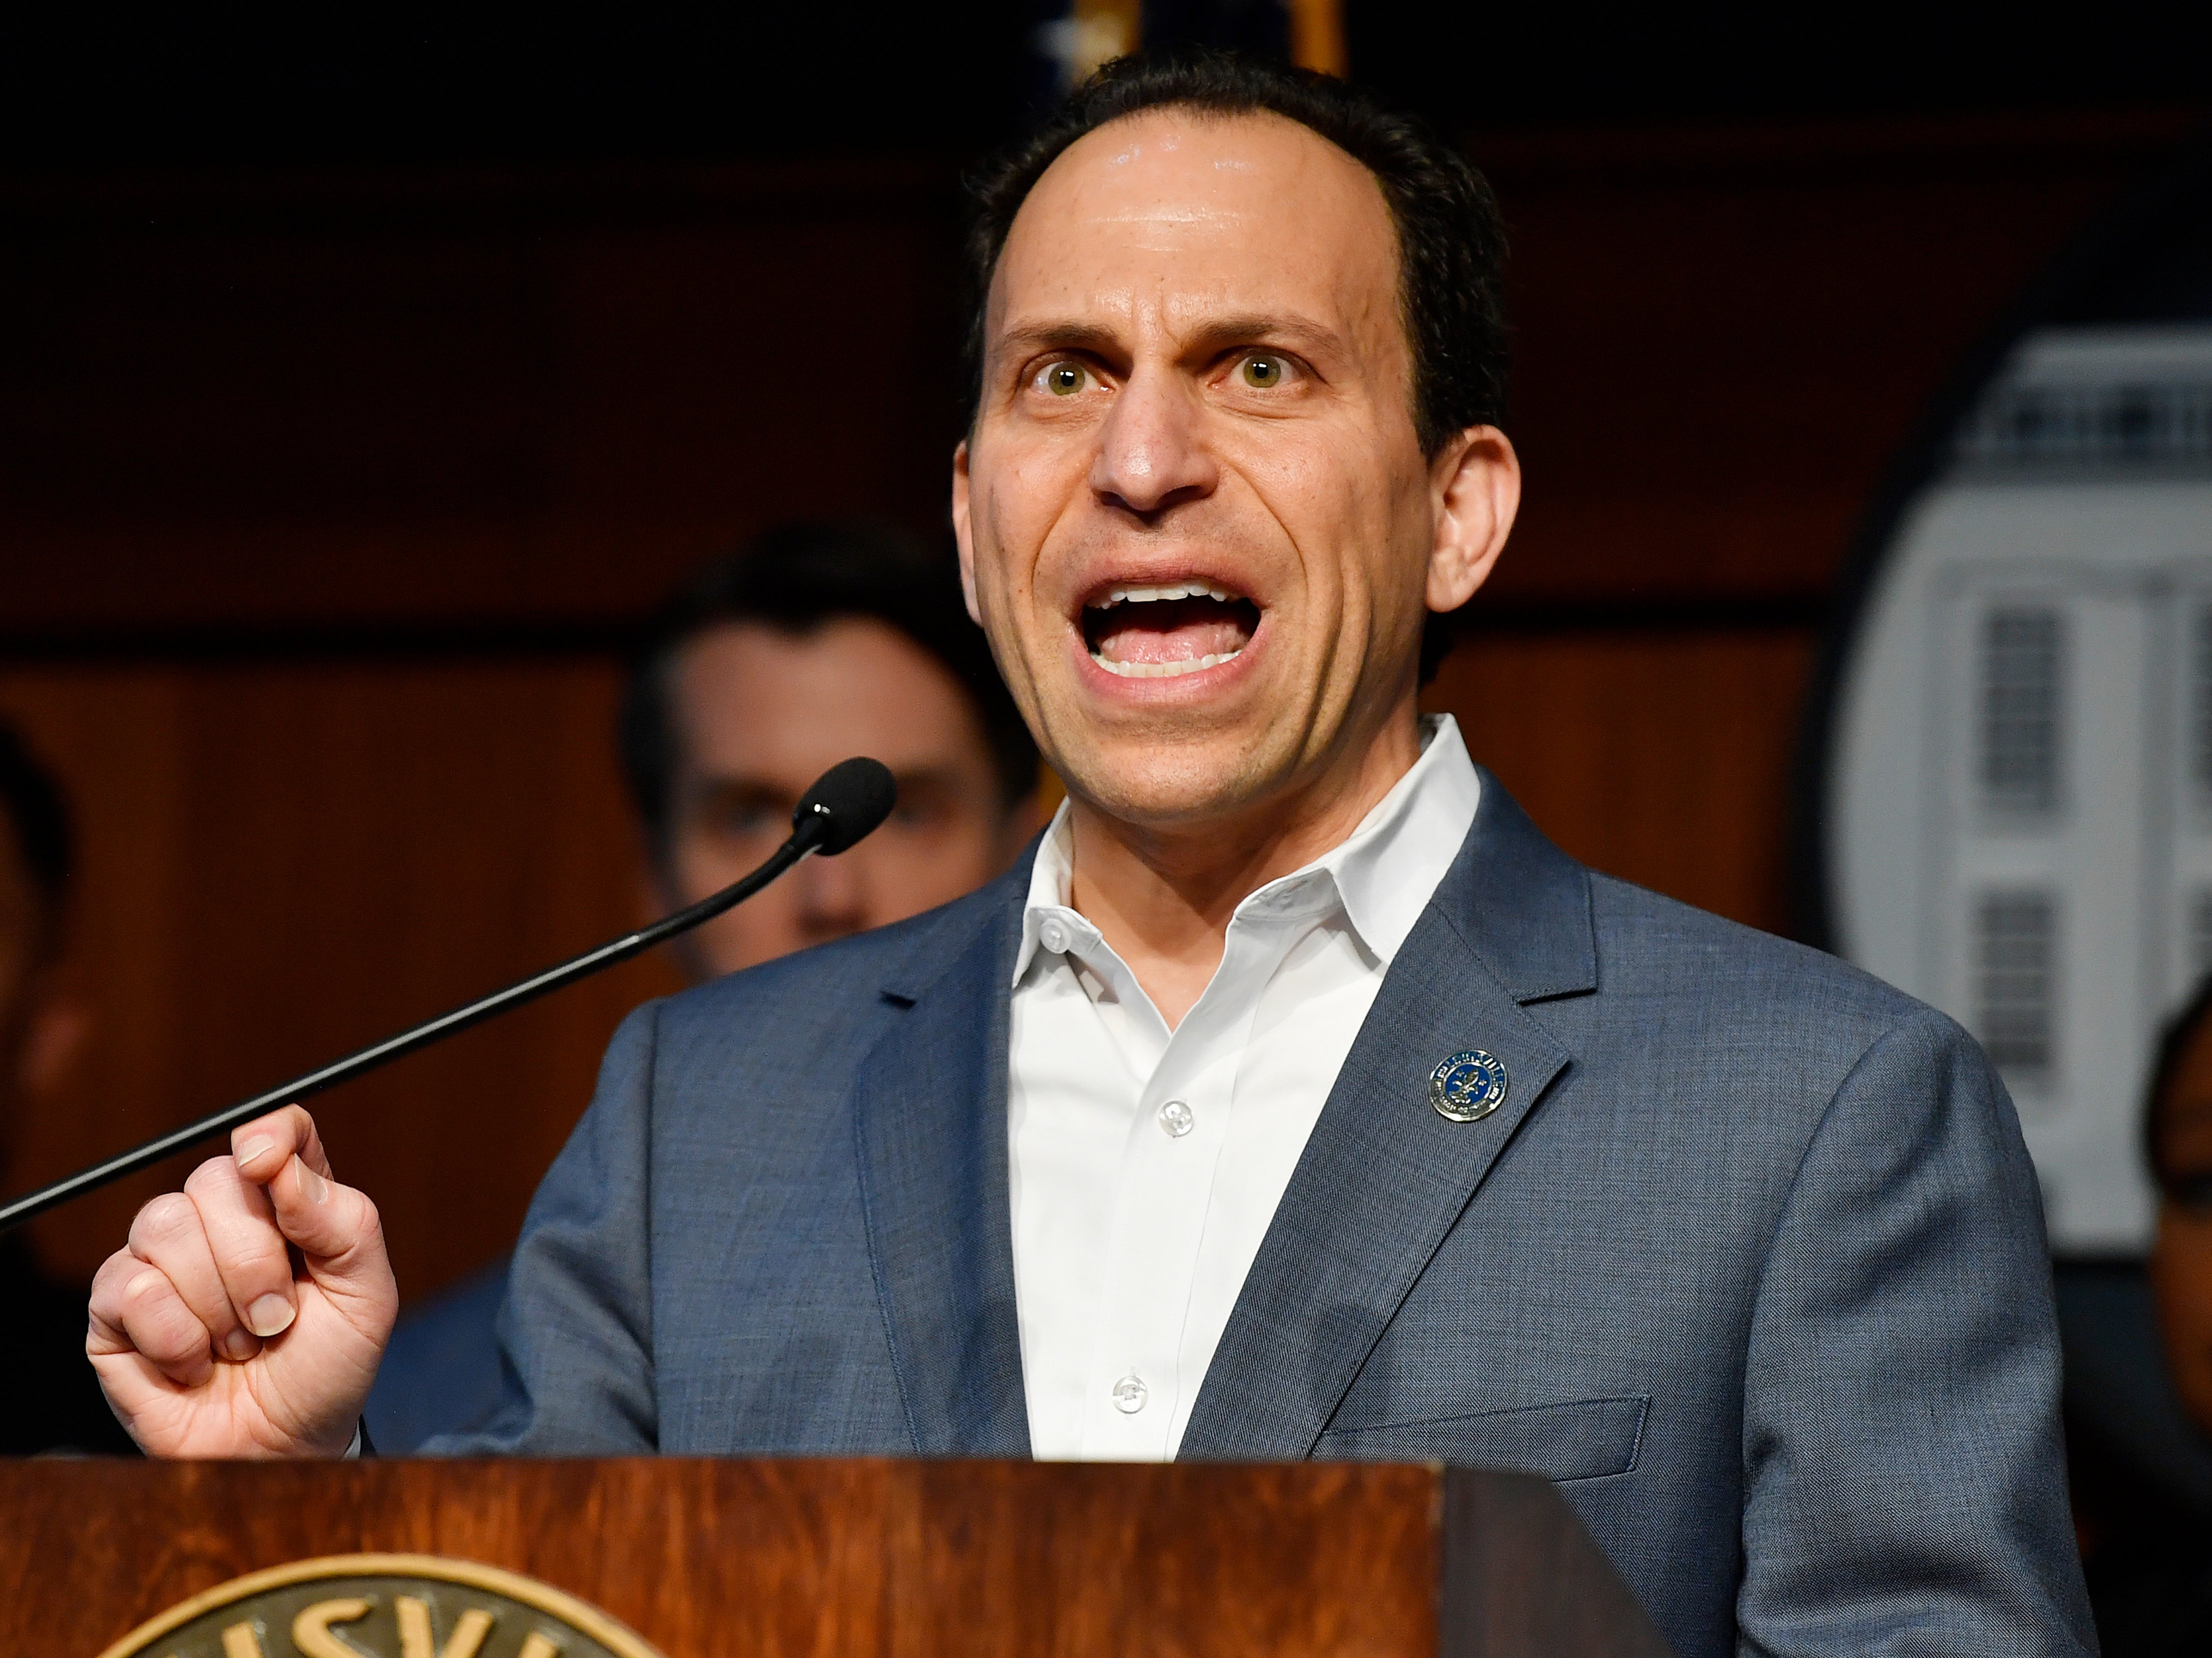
[1173, 590]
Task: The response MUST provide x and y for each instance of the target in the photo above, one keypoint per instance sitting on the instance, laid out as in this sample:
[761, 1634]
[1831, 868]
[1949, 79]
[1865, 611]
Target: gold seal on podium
[382, 1605]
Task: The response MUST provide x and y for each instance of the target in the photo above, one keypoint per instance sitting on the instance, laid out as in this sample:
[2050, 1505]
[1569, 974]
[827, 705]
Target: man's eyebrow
[1023, 338]
[729, 788]
[1211, 335]
[1261, 327]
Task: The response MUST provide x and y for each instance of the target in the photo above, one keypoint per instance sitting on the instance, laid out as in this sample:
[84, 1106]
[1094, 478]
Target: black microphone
[847, 804]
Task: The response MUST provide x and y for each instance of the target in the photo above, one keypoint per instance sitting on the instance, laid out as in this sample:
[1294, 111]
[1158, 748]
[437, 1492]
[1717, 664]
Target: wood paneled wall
[487, 403]
[1658, 757]
[321, 501]
[1722, 337]
[282, 863]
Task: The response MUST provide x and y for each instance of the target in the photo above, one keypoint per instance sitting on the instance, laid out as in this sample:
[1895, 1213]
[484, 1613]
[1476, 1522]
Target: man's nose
[1151, 452]
[833, 896]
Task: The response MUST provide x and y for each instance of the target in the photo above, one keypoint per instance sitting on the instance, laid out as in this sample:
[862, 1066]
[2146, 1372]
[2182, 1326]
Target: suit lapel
[1384, 1177]
[930, 1126]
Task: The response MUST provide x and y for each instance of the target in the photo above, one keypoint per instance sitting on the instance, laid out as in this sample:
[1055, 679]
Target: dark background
[84, 87]
[362, 381]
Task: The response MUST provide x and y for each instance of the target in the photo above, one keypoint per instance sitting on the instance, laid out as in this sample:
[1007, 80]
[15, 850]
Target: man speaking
[1297, 1098]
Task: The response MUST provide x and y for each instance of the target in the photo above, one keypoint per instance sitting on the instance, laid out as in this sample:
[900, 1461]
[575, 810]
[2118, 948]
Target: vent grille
[2021, 651]
[2015, 960]
[2094, 425]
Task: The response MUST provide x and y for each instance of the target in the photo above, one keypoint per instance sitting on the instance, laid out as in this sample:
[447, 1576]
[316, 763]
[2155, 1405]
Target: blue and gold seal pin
[1468, 1085]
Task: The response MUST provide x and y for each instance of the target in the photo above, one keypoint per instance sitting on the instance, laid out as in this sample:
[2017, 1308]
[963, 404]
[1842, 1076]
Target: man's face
[21, 926]
[1193, 513]
[40, 1023]
[759, 716]
[2181, 1258]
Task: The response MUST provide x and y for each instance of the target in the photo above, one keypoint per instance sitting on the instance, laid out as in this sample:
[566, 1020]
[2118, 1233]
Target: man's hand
[247, 1314]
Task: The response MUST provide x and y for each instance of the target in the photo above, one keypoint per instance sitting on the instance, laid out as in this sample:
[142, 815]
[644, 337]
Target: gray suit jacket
[1750, 1260]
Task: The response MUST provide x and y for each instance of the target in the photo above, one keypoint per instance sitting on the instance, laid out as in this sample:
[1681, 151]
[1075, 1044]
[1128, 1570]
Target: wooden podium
[702, 1558]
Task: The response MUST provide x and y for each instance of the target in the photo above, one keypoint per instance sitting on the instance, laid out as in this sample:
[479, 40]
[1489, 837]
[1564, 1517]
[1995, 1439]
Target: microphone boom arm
[815, 827]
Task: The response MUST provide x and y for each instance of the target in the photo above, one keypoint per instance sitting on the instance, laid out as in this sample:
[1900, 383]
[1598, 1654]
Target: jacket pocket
[1583, 1439]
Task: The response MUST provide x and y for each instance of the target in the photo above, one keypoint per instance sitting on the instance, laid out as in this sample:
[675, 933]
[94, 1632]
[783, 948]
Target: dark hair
[796, 579]
[38, 815]
[1451, 243]
[2172, 1043]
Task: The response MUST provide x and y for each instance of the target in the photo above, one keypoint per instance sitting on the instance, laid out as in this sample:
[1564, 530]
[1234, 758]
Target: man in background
[56, 1399]
[810, 645]
[813, 644]
[2139, 1377]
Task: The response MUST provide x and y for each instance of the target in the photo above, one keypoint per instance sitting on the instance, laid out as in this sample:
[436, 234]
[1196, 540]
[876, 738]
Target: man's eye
[2190, 1193]
[1065, 380]
[738, 817]
[1265, 372]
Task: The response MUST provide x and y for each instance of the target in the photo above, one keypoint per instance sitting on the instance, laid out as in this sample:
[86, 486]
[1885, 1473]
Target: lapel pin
[1470, 1085]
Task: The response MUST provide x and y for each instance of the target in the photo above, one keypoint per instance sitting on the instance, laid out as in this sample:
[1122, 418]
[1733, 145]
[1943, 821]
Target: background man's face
[2181, 1258]
[22, 923]
[1197, 382]
[41, 1026]
[759, 715]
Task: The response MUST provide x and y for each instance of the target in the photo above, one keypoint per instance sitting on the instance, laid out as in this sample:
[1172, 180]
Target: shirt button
[1177, 1120]
[1130, 1394]
[1054, 935]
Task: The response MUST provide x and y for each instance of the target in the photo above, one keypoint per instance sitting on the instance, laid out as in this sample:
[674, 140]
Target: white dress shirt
[1146, 1163]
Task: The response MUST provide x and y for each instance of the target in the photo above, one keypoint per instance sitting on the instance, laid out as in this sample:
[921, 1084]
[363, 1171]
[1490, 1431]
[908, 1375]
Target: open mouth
[1159, 632]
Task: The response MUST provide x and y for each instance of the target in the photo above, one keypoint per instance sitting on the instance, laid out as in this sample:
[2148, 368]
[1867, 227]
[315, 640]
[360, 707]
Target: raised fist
[247, 1316]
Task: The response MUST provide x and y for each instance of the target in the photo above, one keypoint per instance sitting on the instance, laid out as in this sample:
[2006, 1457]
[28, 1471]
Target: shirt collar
[1382, 875]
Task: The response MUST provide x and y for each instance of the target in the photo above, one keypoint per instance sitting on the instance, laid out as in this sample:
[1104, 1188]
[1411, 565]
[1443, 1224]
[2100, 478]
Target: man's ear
[652, 880]
[53, 1038]
[654, 900]
[1475, 485]
[964, 531]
